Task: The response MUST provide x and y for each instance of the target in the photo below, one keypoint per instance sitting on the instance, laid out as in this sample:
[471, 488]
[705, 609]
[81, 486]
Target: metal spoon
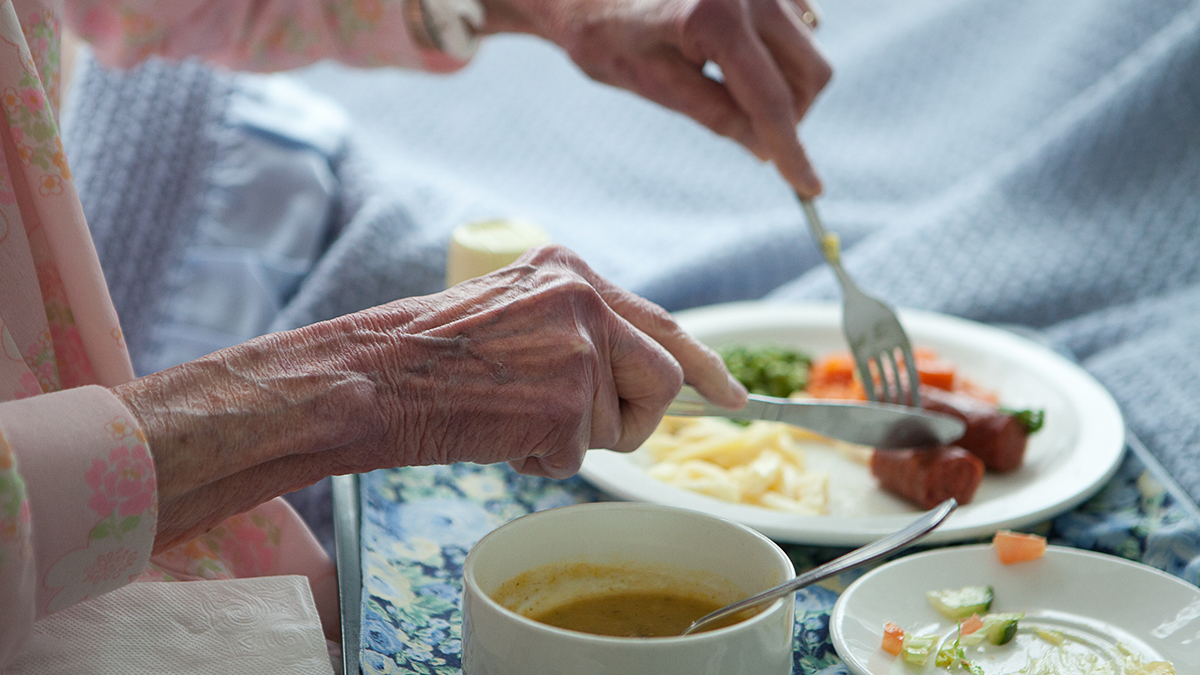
[856, 558]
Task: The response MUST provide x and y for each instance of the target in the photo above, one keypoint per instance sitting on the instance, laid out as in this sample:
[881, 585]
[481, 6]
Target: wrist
[416, 18]
[277, 395]
[513, 16]
[452, 27]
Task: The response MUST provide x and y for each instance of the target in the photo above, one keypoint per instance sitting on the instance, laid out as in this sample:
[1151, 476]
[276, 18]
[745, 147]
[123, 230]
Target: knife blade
[880, 425]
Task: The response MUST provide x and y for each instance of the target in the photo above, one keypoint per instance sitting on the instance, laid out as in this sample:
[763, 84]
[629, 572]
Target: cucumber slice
[1000, 629]
[960, 603]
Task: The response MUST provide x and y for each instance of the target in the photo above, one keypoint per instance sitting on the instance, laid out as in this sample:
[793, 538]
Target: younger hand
[772, 69]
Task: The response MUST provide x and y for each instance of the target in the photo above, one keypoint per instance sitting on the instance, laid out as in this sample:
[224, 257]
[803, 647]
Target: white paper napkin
[262, 626]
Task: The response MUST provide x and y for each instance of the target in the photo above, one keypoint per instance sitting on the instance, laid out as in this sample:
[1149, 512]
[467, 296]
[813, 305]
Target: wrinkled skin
[531, 365]
[772, 69]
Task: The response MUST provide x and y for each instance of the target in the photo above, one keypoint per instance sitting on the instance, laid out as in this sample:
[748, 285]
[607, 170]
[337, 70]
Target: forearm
[195, 513]
[303, 392]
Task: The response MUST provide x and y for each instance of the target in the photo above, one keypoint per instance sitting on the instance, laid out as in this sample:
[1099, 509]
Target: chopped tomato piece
[893, 638]
[1015, 547]
[971, 624]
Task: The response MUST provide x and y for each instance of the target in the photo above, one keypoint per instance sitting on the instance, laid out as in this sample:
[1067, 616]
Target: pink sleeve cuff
[90, 483]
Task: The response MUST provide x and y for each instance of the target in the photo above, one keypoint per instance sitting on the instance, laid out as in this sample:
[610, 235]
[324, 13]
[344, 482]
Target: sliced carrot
[936, 371]
[851, 391]
[893, 638]
[832, 376]
[1015, 547]
[835, 376]
[971, 625]
[933, 370]
[835, 367]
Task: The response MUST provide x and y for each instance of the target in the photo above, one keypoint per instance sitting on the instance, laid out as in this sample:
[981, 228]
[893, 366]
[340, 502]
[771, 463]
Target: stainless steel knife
[880, 425]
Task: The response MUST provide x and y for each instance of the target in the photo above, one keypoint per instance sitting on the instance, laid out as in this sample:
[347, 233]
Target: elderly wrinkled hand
[771, 68]
[532, 364]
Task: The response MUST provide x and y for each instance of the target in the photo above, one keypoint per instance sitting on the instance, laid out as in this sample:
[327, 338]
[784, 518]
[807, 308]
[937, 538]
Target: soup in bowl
[609, 587]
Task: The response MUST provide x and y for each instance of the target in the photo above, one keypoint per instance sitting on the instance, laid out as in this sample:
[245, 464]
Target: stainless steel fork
[872, 329]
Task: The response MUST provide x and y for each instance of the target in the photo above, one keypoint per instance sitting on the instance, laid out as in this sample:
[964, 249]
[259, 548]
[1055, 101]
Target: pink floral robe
[78, 503]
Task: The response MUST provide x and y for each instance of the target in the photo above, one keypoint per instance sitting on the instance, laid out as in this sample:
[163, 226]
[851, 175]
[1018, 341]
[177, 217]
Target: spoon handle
[856, 558]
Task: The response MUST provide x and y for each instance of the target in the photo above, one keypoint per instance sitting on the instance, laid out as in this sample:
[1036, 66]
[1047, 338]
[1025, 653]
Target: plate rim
[837, 615]
[858, 530]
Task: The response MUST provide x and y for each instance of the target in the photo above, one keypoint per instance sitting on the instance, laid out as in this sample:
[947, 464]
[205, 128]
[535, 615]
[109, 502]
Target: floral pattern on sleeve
[14, 507]
[124, 501]
[41, 34]
[57, 359]
[29, 99]
[271, 35]
[245, 545]
[30, 114]
[122, 489]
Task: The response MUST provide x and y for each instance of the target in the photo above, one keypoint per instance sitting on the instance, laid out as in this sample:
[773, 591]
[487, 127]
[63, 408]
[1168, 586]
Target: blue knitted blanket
[1017, 162]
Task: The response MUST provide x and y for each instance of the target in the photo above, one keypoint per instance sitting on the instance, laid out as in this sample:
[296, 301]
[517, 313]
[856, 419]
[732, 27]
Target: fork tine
[872, 328]
[867, 377]
[914, 378]
[892, 387]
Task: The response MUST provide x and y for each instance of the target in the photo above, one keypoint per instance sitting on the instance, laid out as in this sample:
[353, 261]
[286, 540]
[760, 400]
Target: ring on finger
[809, 19]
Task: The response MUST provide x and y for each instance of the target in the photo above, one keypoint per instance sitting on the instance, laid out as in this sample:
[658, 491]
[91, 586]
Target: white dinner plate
[1075, 453]
[1101, 603]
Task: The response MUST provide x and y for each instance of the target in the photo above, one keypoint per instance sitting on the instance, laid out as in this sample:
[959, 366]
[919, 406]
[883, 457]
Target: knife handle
[689, 403]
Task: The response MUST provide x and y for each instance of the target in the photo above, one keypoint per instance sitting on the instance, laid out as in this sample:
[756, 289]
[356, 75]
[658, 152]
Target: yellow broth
[619, 598]
[635, 614]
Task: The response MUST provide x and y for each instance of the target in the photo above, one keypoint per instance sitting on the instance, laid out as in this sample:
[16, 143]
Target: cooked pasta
[762, 464]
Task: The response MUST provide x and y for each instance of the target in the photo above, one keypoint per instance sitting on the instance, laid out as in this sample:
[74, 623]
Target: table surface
[403, 535]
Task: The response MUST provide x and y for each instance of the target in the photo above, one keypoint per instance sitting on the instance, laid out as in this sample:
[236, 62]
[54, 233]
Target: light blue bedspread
[1015, 162]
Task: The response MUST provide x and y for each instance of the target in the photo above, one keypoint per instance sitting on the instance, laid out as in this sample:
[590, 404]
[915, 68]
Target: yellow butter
[481, 247]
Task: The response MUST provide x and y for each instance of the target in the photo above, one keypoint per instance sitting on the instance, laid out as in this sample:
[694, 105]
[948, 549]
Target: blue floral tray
[401, 562]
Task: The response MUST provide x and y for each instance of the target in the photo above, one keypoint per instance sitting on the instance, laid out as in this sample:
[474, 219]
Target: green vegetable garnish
[1032, 420]
[768, 370]
[955, 656]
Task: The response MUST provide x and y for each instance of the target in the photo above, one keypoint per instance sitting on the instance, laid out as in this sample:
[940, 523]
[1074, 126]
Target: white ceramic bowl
[497, 641]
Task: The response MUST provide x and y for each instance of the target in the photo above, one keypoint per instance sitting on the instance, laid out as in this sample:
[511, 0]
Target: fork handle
[826, 241]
